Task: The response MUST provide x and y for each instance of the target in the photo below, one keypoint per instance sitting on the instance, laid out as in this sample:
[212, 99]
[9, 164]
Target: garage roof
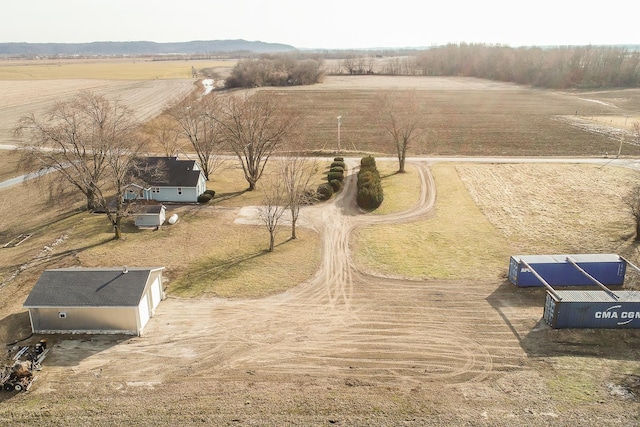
[90, 287]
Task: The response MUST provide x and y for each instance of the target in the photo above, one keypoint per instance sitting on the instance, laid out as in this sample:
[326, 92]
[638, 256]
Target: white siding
[143, 311]
[156, 294]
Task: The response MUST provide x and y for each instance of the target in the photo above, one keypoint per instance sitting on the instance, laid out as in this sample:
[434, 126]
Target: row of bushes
[370, 193]
[335, 179]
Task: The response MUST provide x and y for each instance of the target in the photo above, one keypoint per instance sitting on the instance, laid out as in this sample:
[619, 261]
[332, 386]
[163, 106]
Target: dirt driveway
[345, 348]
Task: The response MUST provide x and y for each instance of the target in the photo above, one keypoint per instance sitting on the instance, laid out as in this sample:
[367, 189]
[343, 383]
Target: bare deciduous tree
[632, 200]
[273, 207]
[90, 142]
[399, 113]
[163, 130]
[197, 120]
[636, 132]
[254, 127]
[296, 173]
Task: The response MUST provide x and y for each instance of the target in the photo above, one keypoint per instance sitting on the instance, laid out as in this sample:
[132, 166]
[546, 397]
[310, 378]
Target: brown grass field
[414, 324]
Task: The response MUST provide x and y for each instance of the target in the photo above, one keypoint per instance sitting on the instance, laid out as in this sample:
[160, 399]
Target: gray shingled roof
[165, 172]
[88, 287]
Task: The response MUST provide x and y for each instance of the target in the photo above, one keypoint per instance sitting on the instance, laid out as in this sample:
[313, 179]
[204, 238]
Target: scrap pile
[18, 375]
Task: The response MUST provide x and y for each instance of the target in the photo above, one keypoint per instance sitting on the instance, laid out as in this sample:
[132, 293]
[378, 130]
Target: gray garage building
[95, 300]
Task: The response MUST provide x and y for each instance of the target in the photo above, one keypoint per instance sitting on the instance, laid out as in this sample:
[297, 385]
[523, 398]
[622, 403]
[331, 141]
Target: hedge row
[335, 180]
[370, 195]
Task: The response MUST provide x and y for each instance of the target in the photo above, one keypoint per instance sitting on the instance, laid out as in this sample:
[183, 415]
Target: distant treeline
[276, 70]
[558, 67]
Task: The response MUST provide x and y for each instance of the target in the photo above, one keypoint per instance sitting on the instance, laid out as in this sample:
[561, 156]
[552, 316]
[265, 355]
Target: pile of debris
[19, 375]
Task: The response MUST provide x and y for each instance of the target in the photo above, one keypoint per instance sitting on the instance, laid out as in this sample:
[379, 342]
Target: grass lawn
[440, 247]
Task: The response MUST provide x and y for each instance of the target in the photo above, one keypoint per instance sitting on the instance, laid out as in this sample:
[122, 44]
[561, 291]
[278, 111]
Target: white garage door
[156, 293]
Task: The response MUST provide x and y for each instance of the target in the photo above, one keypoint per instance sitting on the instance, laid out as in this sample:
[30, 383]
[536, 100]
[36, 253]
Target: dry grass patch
[206, 253]
[457, 242]
[231, 188]
[486, 212]
[543, 208]
[9, 167]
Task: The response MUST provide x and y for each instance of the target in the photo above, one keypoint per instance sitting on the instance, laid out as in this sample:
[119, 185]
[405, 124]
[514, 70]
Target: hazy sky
[332, 24]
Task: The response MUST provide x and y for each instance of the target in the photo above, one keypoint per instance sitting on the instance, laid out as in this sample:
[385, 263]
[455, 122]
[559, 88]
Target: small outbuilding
[149, 216]
[95, 300]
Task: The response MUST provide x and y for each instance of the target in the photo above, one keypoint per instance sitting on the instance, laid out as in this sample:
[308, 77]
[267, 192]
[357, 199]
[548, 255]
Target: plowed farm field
[146, 98]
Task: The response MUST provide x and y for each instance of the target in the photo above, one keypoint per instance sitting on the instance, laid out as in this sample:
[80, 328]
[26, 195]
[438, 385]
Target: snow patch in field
[599, 102]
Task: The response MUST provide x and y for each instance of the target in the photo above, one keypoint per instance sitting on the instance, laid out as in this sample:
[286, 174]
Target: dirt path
[344, 348]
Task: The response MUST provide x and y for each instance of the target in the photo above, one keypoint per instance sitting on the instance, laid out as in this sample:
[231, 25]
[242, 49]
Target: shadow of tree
[213, 269]
[221, 197]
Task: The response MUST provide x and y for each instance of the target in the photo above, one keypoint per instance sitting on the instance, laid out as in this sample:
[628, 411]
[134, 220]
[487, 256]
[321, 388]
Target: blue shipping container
[593, 309]
[608, 269]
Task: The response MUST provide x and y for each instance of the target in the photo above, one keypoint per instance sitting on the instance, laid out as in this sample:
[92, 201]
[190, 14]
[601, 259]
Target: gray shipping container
[608, 269]
[592, 309]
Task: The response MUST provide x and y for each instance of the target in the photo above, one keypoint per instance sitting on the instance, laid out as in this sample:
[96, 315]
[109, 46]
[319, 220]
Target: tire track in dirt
[343, 324]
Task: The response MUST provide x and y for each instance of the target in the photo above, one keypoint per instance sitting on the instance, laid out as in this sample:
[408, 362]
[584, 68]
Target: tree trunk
[272, 241]
[293, 229]
[638, 229]
[401, 161]
[91, 201]
[117, 230]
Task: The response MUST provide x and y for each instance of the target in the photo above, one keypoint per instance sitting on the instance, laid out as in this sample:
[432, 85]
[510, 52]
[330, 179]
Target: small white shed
[150, 216]
[95, 300]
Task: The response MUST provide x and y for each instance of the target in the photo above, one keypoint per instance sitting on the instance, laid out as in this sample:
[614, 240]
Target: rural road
[620, 162]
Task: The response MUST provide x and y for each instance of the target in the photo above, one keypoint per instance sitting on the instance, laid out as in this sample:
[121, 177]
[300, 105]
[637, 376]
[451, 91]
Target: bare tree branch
[255, 126]
[296, 174]
[399, 113]
[197, 119]
[90, 142]
[273, 207]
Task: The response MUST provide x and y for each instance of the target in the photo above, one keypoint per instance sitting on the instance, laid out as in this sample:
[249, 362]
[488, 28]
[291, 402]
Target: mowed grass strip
[458, 242]
[401, 190]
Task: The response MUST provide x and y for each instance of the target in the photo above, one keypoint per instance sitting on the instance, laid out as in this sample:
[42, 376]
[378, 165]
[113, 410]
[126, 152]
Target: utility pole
[339, 122]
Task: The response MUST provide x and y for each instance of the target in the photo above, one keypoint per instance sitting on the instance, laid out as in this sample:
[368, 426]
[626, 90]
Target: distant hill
[140, 48]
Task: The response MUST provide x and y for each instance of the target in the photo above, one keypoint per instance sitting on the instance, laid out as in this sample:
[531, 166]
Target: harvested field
[147, 98]
[465, 117]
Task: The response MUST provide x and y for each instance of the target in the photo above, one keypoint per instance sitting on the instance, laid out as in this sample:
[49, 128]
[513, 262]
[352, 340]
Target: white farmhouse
[166, 179]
